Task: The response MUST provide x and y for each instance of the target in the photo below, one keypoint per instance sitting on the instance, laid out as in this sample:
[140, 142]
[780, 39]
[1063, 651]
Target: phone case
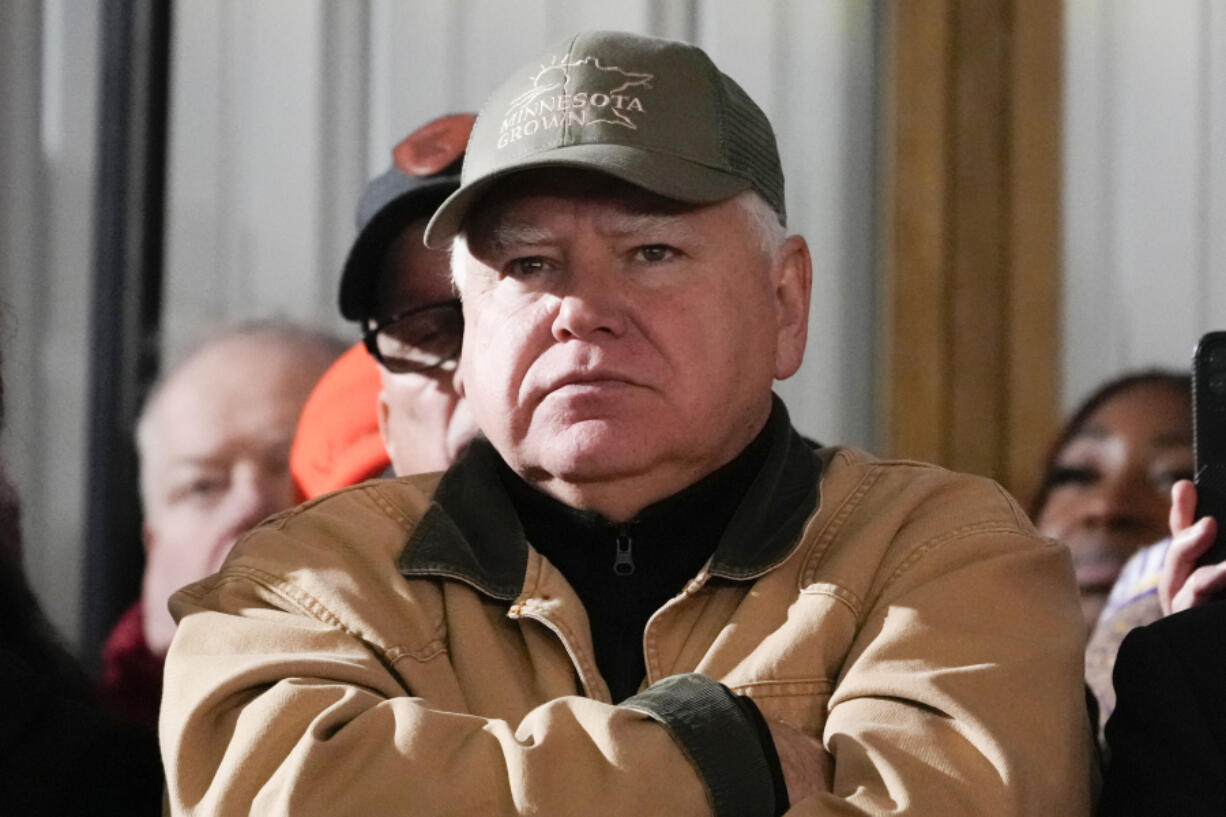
[1209, 435]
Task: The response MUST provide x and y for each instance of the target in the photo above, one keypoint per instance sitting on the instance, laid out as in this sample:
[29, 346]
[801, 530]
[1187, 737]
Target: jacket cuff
[767, 742]
[722, 743]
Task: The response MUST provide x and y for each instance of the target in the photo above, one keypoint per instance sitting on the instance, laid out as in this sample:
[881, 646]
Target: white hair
[458, 251]
[766, 226]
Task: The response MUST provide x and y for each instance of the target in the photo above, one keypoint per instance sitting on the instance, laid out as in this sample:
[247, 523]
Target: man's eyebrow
[512, 234]
[192, 461]
[631, 224]
[506, 234]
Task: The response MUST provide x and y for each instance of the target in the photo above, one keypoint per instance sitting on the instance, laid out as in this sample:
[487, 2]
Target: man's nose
[591, 303]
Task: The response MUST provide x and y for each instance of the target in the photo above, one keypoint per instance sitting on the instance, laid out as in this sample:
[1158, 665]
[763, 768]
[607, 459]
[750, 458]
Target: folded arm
[271, 708]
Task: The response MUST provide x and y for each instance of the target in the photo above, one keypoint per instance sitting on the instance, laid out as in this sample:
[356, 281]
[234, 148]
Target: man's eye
[527, 267]
[654, 253]
[206, 487]
[201, 489]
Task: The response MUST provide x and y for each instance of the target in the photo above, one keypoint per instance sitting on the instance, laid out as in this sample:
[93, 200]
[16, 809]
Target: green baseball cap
[655, 113]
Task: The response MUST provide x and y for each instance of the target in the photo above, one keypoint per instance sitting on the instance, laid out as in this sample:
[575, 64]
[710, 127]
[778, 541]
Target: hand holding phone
[1184, 581]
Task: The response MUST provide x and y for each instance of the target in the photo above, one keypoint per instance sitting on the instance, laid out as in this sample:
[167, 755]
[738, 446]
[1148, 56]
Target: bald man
[213, 440]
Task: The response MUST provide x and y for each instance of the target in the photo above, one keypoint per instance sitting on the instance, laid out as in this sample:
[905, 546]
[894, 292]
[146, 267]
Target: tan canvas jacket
[396, 648]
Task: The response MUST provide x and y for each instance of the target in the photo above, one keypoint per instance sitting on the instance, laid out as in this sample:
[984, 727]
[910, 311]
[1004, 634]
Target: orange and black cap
[425, 170]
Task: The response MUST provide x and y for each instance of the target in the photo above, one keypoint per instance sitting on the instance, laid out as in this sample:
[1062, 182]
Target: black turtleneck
[624, 572]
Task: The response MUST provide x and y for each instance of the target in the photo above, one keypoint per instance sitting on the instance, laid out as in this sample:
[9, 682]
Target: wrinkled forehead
[526, 203]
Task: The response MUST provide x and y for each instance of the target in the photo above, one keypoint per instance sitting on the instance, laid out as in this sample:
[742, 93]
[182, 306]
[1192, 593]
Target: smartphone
[1209, 436]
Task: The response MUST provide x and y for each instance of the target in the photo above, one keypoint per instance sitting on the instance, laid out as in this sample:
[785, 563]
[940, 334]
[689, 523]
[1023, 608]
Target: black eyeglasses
[418, 340]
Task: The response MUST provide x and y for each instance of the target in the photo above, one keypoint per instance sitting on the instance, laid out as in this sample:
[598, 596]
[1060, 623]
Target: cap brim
[362, 263]
[665, 175]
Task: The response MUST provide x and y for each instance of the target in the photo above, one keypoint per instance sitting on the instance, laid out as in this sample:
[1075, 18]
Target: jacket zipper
[623, 561]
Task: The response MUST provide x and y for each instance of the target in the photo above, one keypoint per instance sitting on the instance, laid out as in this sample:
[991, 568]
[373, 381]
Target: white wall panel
[1213, 268]
[1145, 175]
[57, 502]
[1091, 325]
[46, 337]
[22, 210]
[265, 110]
[1156, 160]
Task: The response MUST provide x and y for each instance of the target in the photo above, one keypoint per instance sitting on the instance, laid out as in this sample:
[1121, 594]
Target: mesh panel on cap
[750, 145]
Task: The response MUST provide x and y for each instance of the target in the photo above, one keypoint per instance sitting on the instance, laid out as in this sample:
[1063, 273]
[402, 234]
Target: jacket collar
[472, 533]
[767, 524]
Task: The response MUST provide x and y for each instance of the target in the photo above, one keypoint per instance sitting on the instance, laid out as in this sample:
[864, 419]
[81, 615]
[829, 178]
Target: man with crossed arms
[640, 592]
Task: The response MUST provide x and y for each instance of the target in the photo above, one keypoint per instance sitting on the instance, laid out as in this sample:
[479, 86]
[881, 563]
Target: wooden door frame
[969, 280]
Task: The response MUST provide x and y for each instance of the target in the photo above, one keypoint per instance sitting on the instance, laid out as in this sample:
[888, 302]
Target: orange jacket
[338, 442]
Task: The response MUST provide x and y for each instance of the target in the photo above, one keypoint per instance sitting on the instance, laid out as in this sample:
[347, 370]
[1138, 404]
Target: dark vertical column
[131, 192]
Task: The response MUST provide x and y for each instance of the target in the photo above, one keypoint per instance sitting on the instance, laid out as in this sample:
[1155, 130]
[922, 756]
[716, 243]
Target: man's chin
[589, 449]
[586, 470]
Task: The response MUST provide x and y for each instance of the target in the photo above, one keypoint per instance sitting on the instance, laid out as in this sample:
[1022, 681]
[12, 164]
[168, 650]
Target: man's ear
[457, 376]
[382, 410]
[793, 285]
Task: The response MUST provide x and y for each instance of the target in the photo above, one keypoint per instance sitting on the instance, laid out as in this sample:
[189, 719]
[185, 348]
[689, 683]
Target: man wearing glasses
[400, 293]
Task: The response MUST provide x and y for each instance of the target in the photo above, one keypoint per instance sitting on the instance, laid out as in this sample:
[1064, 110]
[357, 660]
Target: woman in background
[1106, 489]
